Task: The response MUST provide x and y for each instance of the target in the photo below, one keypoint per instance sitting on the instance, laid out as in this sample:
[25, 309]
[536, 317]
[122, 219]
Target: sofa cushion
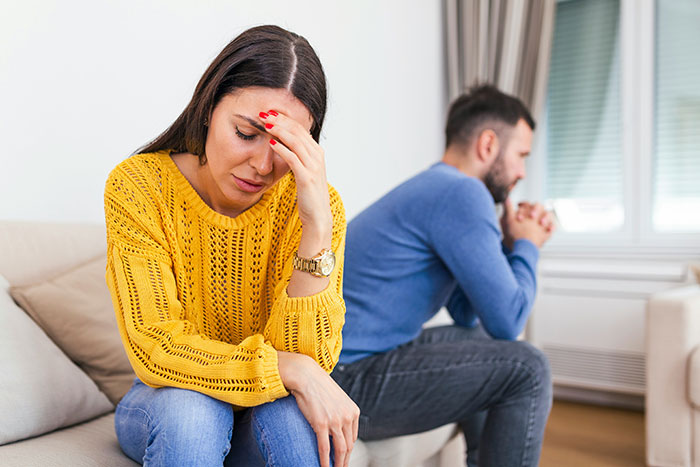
[89, 444]
[409, 450]
[75, 310]
[40, 388]
[32, 251]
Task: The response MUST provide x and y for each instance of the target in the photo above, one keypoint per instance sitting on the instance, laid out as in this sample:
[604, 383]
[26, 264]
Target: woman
[221, 239]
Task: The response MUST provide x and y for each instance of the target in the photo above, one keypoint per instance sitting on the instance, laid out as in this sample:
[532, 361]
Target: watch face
[326, 263]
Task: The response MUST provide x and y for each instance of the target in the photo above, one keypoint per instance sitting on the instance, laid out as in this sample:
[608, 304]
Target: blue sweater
[433, 241]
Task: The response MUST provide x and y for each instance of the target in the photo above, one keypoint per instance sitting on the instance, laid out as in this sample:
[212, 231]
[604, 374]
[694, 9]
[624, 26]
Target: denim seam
[531, 421]
[268, 455]
[148, 429]
[145, 413]
[533, 399]
[531, 412]
[456, 365]
[230, 436]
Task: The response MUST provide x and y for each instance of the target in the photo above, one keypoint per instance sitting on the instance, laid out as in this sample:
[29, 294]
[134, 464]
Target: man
[435, 241]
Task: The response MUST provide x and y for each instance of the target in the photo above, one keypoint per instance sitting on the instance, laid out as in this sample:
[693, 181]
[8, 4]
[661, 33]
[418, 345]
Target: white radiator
[589, 318]
[597, 369]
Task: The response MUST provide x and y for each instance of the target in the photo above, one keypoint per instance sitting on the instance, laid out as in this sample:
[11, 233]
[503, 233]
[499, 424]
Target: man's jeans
[178, 427]
[498, 391]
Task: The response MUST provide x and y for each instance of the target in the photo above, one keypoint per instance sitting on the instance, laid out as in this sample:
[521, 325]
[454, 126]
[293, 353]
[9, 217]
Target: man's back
[416, 249]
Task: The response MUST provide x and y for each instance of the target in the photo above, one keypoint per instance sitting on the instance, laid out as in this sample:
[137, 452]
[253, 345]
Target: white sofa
[53, 408]
[673, 378]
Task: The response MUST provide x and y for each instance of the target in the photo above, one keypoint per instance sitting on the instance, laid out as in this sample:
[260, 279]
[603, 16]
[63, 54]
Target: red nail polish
[269, 125]
[273, 142]
[263, 115]
[272, 112]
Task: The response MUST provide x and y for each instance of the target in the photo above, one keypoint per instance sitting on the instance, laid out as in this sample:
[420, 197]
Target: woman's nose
[262, 162]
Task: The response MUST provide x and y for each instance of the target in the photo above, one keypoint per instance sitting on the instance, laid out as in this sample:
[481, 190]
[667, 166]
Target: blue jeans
[178, 427]
[499, 392]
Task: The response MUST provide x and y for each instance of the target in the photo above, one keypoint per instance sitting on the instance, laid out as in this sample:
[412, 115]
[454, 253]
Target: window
[584, 170]
[619, 143]
[677, 127]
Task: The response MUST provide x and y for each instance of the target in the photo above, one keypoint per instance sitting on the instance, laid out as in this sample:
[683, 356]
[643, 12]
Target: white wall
[83, 83]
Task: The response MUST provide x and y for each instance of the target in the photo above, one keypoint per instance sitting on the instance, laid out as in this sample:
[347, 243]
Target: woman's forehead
[255, 99]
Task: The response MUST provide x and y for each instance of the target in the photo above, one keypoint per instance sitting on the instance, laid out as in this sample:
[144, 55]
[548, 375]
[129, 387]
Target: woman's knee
[283, 434]
[172, 423]
[190, 415]
[281, 415]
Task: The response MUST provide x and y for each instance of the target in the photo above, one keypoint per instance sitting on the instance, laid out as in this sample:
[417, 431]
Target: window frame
[637, 81]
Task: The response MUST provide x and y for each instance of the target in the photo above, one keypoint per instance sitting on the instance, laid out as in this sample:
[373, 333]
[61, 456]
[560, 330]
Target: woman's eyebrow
[253, 122]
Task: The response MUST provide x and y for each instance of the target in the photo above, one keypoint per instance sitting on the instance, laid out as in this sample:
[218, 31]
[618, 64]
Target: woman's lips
[248, 186]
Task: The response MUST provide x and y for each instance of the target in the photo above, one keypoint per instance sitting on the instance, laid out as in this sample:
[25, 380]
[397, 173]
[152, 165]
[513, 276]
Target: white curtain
[506, 43]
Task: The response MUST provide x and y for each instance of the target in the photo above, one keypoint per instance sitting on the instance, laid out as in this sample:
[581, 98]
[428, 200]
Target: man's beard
[495, 180]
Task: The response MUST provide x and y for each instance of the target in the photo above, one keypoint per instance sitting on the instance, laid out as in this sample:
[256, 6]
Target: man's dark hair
[265, 56]
[484, 107]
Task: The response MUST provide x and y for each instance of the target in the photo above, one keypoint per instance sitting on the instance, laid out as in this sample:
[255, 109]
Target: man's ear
[487, 146]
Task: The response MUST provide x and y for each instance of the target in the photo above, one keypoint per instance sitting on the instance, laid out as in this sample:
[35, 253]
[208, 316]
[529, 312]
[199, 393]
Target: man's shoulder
[436, 182]
[451, 187]
[463, 203]
[440, 192]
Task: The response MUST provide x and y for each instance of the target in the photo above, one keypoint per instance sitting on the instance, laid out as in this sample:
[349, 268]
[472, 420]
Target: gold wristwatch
[320, 265]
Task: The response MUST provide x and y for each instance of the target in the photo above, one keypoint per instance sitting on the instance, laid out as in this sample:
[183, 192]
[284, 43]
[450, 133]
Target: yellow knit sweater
[201, 298]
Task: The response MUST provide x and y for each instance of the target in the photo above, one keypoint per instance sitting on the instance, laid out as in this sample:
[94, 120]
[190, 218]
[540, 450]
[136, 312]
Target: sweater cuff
[325, 299]
[272, 383]
[526, 250]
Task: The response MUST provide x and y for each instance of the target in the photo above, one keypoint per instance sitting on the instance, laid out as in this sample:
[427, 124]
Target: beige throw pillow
[40, 388]
[75, 310]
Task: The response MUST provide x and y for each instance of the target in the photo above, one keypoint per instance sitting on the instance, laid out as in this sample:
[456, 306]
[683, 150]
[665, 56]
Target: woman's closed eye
[245, 136]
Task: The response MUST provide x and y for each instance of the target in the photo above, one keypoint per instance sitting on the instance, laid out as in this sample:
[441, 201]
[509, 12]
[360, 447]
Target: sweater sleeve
[460, 309]
[311, 325]
[163, 346]
[498, 289]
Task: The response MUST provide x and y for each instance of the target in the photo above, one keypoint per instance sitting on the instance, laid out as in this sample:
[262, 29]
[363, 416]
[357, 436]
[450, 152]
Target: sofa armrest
[673, 331]
[694, 378]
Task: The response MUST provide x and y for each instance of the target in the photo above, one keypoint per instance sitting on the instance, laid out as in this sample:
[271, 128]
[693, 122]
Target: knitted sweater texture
[200, 298]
